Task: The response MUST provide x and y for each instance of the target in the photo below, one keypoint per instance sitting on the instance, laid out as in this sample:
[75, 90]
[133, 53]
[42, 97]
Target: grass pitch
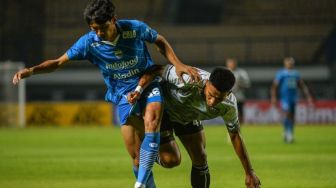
[92, 157]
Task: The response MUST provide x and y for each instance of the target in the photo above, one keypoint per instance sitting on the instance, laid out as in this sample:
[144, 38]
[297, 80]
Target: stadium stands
[258, 33]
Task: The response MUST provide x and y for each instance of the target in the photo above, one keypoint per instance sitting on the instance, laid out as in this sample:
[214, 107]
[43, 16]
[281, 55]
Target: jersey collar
[114, 43]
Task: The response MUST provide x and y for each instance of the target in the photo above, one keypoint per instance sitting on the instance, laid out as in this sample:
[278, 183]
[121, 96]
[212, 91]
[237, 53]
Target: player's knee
[152, 123]
[170, 161]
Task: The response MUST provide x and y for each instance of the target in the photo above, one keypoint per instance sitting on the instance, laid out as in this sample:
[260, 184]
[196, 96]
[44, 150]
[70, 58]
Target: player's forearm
[149, 75]
[241, 151]
[273, 92]
[49, 65]
[45, 67]
[305, 90]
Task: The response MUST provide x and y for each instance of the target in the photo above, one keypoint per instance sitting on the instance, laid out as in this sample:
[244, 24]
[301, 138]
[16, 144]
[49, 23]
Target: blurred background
[204, 33]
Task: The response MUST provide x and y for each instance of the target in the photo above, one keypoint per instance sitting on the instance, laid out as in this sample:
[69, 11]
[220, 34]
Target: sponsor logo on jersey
[122, 64]
[118, 54]
[129, 34]
[129, 74]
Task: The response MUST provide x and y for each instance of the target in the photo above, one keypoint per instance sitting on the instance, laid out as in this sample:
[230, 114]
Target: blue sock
[289, 126]
[150, 182]
[148, 153]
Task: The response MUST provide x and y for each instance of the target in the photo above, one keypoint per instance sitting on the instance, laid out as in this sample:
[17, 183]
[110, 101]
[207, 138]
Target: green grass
[84, 157]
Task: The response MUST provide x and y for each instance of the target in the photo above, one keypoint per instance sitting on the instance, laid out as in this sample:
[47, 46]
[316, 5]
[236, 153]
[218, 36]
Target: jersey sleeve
[79, 50]
[278, 76]
[169, 75]
[146, 33]
[245, 79]
[230, 116]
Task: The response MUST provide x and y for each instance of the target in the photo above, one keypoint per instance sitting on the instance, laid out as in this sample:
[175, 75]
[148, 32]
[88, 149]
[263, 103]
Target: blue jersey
[288, 84]
[121, 62]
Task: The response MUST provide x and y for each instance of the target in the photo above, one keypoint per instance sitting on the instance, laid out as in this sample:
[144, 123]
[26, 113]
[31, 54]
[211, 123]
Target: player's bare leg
[169, 154]
[133, 135]
[150, 144]
[195, 146]
[288, 127]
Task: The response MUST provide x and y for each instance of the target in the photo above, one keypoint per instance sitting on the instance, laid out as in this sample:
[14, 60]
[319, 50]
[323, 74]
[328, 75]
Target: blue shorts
[151, 94]
[288, 106]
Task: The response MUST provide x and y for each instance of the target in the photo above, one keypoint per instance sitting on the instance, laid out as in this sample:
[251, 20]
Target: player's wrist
[30, 71]
[139, 89]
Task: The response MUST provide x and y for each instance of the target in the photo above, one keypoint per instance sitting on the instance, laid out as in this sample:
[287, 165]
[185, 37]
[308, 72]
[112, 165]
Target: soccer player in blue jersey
[186, 104]
[118, 49]
[286, 84]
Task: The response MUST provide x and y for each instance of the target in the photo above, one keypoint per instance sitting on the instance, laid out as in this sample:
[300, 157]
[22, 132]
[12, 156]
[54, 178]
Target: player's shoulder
[228, 104]
[281, 72]
[230, 100]
[90, 37]
[126, 24]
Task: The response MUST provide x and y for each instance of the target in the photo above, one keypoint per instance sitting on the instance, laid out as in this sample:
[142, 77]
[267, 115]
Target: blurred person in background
[118, 48]
[285, 85]
[242, 83]
[186, 104]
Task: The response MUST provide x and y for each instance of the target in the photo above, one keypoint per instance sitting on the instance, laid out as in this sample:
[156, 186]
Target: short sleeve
[147, 34]
[278, 76]
[79, 50]
[230, 116]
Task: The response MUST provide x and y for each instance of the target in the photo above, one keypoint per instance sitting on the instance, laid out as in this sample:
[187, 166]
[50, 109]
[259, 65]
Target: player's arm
[305, 91]
[167, 51]
[274, 89]
[45, 67]
[245, 81]
[145, 80]
[251, 179]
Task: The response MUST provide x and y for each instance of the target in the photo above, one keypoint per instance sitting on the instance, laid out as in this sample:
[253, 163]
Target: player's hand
[252, 181]
[310, 101]
[24, 73]
[133, 96]
[186, 69]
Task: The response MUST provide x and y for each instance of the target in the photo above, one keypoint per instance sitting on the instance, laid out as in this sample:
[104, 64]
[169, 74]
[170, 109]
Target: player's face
[212, 95]
[231, 64]
[106, 31]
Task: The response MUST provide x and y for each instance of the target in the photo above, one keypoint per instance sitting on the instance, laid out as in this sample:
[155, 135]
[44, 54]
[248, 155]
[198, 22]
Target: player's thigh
[195, 145]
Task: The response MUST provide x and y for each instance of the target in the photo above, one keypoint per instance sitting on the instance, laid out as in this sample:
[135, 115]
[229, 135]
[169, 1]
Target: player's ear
[114, 19]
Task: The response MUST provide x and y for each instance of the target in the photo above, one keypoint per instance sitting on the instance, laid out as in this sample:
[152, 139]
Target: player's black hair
[222, 79]
[99, 11]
